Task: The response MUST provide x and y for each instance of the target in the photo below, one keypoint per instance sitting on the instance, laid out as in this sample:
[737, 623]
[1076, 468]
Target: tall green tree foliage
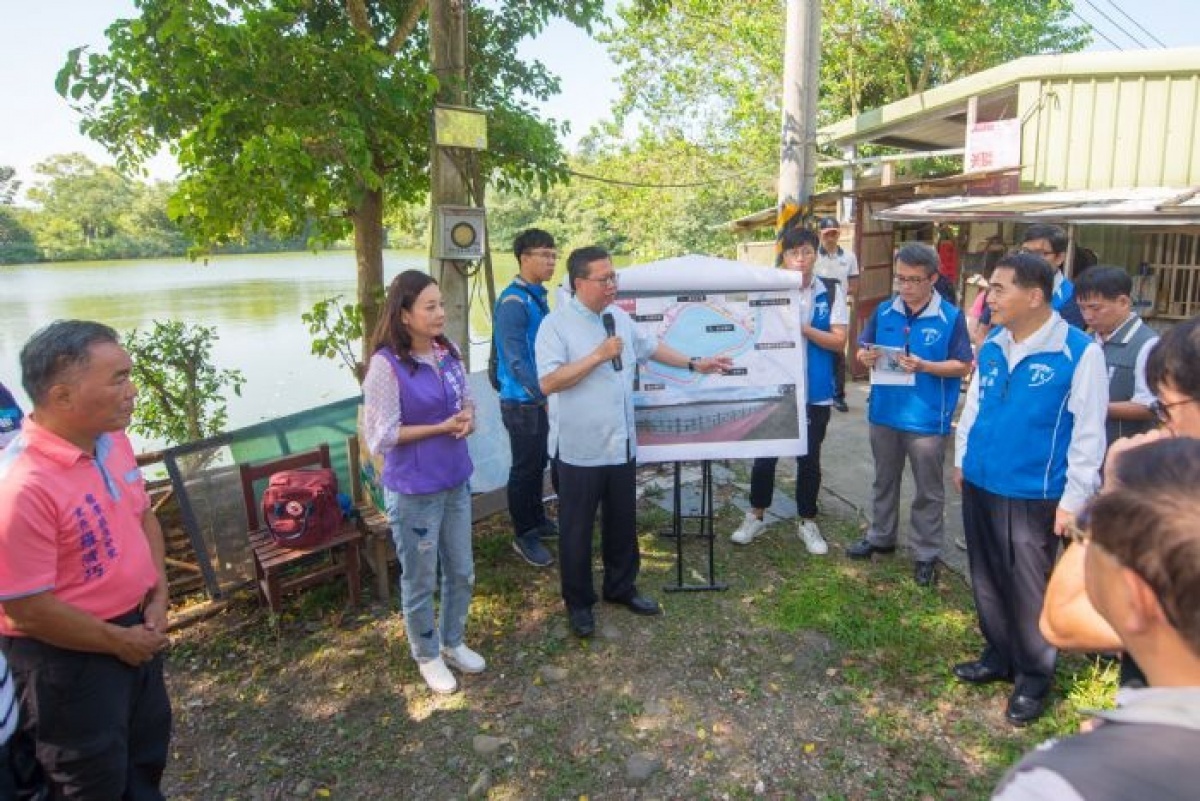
[707, 75]
[182, 394]
[284, 111]
[16, 240]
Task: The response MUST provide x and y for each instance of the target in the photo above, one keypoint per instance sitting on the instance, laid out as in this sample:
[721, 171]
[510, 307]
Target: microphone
[610, 328]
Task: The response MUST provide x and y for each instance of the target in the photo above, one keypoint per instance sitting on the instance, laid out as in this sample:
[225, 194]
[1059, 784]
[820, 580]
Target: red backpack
[300, 507]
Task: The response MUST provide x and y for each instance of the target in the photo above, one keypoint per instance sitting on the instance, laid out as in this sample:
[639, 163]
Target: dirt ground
[715, 699]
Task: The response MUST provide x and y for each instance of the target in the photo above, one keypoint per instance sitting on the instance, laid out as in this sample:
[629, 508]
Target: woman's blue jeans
[432, 531]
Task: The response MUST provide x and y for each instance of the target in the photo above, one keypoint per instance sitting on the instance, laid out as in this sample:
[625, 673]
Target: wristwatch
[692, 362]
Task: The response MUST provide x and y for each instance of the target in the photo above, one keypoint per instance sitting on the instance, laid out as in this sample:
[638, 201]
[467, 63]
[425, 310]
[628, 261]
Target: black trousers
[839, 375]
[528, 427]
[808, 469]
[99, 728]
[581, 491]
[1011, 547]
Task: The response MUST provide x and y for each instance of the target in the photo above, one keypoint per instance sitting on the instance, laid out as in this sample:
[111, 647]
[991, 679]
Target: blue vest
[534, 298]
[820, 361]
[1062, 293]
[427, 397]
[1018, 444]
[925, 408]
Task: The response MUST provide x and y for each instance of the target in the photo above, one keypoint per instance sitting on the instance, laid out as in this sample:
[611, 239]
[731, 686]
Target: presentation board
[706, 306]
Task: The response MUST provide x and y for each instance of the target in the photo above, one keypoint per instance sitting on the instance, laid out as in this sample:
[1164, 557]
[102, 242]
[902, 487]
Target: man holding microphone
[586, 350]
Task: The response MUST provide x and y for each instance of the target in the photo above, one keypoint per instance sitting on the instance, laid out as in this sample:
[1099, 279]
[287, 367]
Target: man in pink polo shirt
[82, 581]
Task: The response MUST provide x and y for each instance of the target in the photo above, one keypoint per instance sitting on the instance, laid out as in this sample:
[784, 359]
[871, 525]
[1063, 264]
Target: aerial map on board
[752, 410]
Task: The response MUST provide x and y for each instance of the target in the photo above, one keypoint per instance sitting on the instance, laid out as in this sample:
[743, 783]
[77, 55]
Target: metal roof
[936, 119]
[1153, 206]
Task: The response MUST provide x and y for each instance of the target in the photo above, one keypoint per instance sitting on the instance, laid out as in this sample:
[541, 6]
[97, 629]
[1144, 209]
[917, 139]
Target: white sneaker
[438, 676]
[464, 659]
[750, 528]
[811, 535]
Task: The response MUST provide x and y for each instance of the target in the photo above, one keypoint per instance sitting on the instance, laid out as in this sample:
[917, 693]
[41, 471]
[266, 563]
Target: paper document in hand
[888, 371]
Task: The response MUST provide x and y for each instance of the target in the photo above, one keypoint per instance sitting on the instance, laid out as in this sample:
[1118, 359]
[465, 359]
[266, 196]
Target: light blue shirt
[591, 424]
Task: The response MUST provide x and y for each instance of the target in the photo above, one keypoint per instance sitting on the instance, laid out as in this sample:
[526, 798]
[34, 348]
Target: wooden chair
[277, 569]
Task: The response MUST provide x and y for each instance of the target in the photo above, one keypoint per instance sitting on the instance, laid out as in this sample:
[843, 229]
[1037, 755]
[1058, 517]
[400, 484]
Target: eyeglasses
[549, 255]
[910, 280]
[608, 280]
[800, 253]
[1162, 411]
[1045, 254]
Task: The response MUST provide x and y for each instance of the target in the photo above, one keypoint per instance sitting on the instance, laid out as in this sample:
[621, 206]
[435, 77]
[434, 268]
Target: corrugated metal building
[1108, 122]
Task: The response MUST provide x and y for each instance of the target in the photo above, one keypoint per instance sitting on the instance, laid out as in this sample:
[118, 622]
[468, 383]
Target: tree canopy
[282, 112]
[701, 81]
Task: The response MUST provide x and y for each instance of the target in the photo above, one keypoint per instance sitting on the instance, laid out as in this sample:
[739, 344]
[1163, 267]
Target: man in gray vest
[1142, 564]
[1105, 297]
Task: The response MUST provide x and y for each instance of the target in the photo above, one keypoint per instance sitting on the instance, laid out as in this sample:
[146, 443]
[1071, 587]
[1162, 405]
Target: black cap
[828, 224]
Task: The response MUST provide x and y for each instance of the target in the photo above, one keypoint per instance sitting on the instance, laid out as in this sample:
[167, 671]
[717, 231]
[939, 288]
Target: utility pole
[449, 176]
[801, 79]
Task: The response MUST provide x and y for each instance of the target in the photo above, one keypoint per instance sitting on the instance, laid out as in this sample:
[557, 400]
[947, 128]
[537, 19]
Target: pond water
[254, 302]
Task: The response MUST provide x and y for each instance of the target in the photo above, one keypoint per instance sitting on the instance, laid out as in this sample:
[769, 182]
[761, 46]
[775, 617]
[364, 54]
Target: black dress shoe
[583, 623]
[638, 604]
[978, 673]
[1024, 709]
[925, 573]
[863, 549]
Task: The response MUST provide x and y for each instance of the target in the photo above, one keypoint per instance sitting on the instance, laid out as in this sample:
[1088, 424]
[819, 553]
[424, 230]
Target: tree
[702, 81]
[284, 111]
[713, 69]
[81, 203]
[9, 185]
[182, 394]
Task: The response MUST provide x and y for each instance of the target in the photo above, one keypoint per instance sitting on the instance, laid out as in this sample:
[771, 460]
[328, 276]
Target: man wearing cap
[840, 265]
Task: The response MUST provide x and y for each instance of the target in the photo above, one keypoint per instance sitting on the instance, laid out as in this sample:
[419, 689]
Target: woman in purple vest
[418, 413]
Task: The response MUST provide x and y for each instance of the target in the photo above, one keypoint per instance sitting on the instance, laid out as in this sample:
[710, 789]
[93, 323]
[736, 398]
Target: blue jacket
[938, 334]
[1017, 446]
[820, 361]
[519, 313]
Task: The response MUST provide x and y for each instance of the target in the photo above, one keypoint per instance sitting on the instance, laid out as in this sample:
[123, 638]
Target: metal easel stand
[702, 526]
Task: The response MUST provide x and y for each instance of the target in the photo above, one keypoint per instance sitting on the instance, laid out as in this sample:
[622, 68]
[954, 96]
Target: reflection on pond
[255, 303]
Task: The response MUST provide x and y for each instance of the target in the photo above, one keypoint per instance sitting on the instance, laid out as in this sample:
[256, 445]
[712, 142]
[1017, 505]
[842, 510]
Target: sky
[36, 123]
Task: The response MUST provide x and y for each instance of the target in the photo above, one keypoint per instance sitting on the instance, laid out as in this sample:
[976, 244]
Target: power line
[1120, 10]
[1115, 24]
[1101, 33]
[640, 185]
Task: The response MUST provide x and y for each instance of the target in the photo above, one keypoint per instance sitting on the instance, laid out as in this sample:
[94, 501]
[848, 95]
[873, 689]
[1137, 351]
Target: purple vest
[428, 397]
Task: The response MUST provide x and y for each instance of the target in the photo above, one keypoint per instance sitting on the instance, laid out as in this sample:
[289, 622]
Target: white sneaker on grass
[750, 528]
[813, 541]
[463, 658]
[438, 676]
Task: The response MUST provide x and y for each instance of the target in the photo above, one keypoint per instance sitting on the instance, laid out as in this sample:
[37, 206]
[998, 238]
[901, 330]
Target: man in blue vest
[1105, 296]
[1051, 242]
[910, 414]
[520, 310]
[823, 323]
[839, 264]
[1028, 452]
[1141, 554]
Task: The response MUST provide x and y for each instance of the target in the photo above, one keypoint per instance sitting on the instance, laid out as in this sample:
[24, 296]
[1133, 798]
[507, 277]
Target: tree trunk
[368, 254]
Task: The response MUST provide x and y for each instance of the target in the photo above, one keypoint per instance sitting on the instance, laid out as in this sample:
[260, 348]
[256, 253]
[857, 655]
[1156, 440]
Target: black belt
[131, 618]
